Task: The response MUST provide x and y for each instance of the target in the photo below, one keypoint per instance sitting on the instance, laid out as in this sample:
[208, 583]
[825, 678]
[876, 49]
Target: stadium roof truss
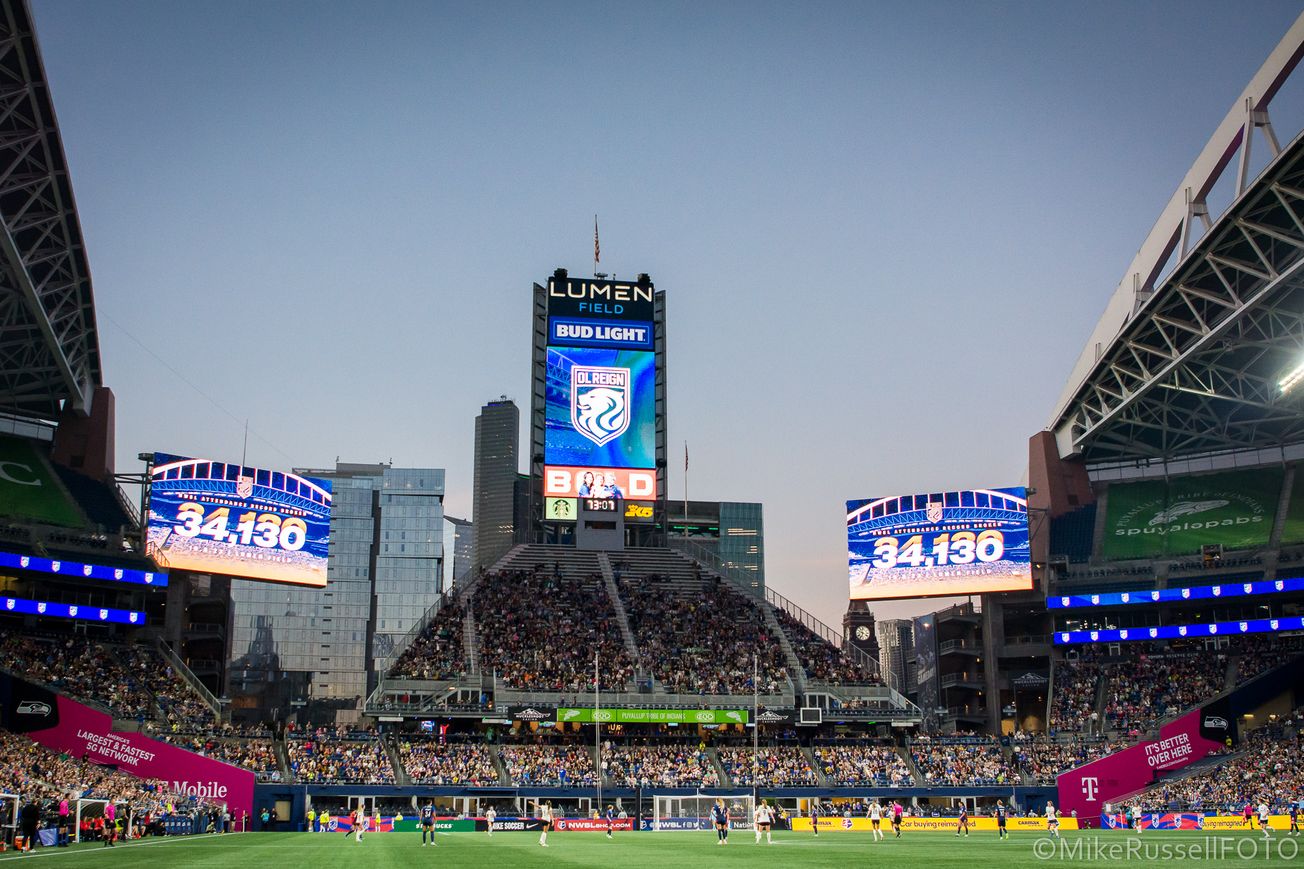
[1198, 370]
[1193, 364]
[49, 349]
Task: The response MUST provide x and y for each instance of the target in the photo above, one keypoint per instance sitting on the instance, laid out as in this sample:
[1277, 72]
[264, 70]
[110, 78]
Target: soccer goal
[693, 811]
[9, 805]
[89, 810]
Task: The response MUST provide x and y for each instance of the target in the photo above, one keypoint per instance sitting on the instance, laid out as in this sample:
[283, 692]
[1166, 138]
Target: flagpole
[685, 490]
[597, 250]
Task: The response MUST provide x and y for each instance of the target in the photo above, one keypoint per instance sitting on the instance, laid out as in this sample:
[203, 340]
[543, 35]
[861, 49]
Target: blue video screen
[600, 408]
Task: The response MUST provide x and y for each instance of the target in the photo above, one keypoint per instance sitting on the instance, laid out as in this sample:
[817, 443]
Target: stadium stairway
[622, 618]
[714, 757]
[283, 758]
[395, 758]
[795, 669]
[503, 778]
[470, 640]
[818, 768]
[915, 772]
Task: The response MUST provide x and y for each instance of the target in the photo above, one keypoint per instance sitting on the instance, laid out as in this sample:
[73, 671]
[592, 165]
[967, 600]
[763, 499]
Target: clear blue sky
[885, 230]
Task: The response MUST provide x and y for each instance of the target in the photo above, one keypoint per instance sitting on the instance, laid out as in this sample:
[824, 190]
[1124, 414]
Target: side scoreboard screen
[232, 520]
[600, 394]
[967, 541]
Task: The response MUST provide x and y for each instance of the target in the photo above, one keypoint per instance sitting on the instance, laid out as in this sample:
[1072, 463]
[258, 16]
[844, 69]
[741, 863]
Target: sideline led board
[233, 520]
[966, 541]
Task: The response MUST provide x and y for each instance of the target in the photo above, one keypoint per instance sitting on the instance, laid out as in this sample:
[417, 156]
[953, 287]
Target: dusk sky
[884, 230]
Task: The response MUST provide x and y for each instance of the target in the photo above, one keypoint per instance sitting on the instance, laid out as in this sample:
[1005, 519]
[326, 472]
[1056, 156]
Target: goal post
[89, 810]
[672, 812]
[9, 805]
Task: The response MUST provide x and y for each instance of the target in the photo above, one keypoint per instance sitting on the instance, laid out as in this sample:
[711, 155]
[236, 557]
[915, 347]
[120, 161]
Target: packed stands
[133, 681]
[430, 762]
[1270, 769]
[1073, 704]
[964, 761]
[437, 652]
[878, 766]
[820, 658]
[539, 631]
[702, 643]
[553, 765]
[780, 766]
[1041, 758]
[1154, 685]
[339, 755]
[666, 765]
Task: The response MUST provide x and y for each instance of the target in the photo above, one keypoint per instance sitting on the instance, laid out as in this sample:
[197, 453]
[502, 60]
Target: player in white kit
[875, 819]
[764, 818]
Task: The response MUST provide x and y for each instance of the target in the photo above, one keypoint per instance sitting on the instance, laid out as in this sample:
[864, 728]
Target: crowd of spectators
[703, 643]
[1152, 686]
[256, 755]
[539, 631]
[553, 765]
[1262, 653]
[970, 761]
[1269, 770]
[429, 762]
[1073, 706]
[863, 766]
[338, 755]
[437, 652]
[779, 766]
[1042, 758]
[819, 658]
[132, 681]
[666, 765]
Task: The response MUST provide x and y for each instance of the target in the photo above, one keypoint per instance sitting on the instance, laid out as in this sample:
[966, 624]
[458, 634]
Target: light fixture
[1292, 379]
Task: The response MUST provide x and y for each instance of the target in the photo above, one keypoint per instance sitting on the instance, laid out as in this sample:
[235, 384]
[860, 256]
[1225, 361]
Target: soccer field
[843, 850]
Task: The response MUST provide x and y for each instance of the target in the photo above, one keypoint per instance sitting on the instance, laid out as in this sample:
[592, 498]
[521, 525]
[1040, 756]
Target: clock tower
[858, 628]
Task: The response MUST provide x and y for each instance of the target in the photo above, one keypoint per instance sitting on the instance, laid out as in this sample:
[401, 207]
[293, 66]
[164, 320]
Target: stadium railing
[656, 700]
[179, 667]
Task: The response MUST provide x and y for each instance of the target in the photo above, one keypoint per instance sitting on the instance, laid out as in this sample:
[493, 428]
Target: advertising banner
[601, 299]
[1192, 821]
[927, 682]
[834, 824]
[968, 541]
[577, 332]
[652, 716]
[1087, 788]
[233, 520]
[63, 725]
[510, 825]
[600, 408]
[28, 490]
[83, 570]
[81, 612]
[1178, 516]
[614, 483]
[560, 509]
[592, 825]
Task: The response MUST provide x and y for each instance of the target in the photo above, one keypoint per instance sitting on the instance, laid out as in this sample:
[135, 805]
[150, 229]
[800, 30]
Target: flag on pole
[597, 250]
[685, 456]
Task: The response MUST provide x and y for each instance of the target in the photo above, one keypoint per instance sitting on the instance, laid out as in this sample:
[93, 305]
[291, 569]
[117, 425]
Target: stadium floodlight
[1292, 379]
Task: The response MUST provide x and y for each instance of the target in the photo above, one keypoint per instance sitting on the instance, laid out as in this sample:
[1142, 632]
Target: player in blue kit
[611, 819]
[963, 822]
[720, 815]
[1001, 832]
[427, 824]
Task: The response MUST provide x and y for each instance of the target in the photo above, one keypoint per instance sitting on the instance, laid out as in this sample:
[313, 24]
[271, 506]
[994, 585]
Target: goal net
[693, 811]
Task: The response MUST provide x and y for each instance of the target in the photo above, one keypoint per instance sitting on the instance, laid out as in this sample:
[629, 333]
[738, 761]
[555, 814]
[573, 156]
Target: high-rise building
[730, 533]
[292, 647]
[895, 644]
[497, 434]
[458, 534]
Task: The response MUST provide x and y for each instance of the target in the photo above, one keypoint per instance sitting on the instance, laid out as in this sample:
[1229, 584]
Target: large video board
[600, 408]
[967, 541]
[224, 518]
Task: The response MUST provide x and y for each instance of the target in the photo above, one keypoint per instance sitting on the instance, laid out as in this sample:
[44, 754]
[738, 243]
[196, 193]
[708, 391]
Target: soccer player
[1052, 820]
[963, 823]
[545, 815]
[110, 823]
[1001, 832]
[1263, 819]
[427, 823]
[876, 818]
[353, 822]
[763, 818]
[611, 819]
[1248, 813]
[815, 816]
[896, 817]
[1294, 819]
[720, 815]
[490, 816]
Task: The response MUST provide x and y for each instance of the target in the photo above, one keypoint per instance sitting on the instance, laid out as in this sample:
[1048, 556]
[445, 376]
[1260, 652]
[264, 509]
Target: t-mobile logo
[1090, 784]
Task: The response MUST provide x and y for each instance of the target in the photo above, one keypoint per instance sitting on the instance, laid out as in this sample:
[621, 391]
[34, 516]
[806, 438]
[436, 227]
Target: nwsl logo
[600, 402]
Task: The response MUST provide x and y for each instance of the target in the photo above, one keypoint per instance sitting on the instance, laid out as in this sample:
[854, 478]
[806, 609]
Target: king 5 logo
[636, 511]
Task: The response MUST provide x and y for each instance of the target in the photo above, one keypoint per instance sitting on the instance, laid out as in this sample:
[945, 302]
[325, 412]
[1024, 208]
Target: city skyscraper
[895, 644]
[497, 435]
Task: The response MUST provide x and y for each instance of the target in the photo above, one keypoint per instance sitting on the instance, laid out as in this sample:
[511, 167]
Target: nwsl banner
[63, 725]
[593, 825]
[1086, 789]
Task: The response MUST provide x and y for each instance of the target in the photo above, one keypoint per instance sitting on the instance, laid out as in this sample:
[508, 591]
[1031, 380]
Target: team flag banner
[1190, 821]
[834, 824]
[1155, 518]
[652, 716]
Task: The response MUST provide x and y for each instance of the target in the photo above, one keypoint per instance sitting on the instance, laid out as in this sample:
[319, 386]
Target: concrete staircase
[622, 618]
[915, 772]
[713, 756]
[498, 765]
[283, 759]
[796, 671]
[395, 760]
[809, 753]
[470, 641]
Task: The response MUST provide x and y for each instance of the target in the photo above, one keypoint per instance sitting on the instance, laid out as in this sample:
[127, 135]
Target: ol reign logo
[600, 402]
[934, 511]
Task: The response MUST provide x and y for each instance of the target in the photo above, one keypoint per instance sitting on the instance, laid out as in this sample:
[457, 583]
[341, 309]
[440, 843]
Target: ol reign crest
[600, 402]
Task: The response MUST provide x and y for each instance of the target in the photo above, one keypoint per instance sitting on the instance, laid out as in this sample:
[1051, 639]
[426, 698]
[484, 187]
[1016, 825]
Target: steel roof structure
[1192, 364]
[49, 348]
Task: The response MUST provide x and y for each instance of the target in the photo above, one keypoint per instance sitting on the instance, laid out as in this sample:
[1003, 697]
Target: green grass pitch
[677, 849]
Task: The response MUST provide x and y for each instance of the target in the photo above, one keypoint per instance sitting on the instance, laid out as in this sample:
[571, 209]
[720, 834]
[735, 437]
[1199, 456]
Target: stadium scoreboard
[966, 541]
[229, 519]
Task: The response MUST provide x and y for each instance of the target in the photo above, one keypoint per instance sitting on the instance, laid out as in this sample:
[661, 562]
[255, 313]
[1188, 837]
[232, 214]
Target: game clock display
[600, 505]
[966, 541]
[223, 518]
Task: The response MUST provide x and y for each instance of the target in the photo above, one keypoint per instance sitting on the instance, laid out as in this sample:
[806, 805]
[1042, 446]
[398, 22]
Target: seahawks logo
[600, 402]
